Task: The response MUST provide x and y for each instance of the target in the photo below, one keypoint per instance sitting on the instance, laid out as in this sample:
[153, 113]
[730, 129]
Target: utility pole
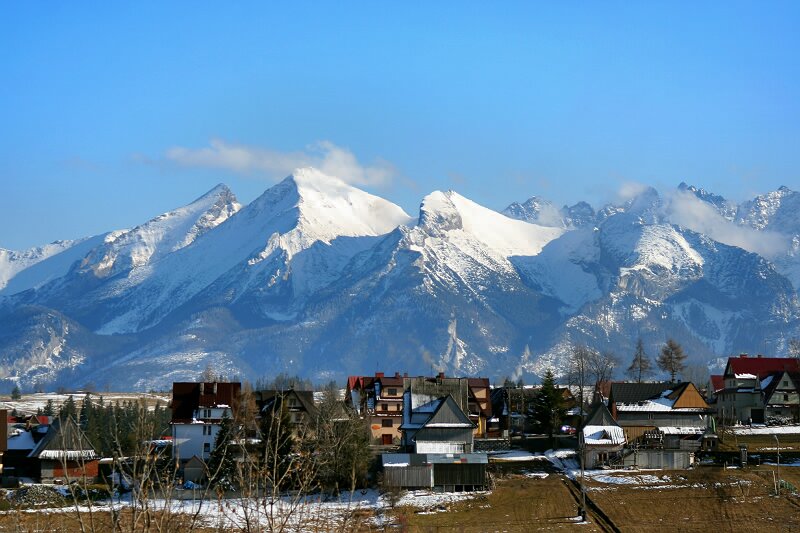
[779, 464]
[582, 451]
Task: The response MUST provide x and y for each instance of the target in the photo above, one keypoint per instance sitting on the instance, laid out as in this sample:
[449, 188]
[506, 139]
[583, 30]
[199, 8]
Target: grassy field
[730, 442]
[705, 499]
[518, 503]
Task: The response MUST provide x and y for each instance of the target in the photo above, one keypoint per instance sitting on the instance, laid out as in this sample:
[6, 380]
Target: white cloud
[630, 190]
[685, 209]
[324, 155]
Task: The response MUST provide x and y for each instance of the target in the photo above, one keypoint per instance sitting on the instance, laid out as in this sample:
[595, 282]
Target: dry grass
[730, 442]
[65, 521]
[706, 499]
[517, 504]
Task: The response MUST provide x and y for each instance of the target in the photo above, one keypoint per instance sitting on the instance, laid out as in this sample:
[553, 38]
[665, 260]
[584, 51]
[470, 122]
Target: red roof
[761, 366]
[717, 382]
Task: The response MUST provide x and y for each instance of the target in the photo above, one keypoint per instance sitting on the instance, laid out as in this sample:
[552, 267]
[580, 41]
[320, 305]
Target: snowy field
[766, 430]
[297, 514]
[30, 403]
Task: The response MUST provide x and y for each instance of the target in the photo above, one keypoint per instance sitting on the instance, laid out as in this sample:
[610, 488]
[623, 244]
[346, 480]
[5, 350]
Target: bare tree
[794, 347]
[578, 370]
[641, 366]
[672, 359]
[602, 365]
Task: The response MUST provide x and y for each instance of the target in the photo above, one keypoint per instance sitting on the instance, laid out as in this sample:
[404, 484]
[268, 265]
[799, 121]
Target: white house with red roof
[757, 389]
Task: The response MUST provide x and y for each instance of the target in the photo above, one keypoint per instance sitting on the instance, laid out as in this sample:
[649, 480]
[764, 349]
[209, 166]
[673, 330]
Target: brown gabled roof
[189, 396]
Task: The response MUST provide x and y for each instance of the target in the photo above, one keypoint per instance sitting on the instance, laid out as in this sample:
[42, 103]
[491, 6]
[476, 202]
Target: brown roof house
[65, 454]
[197, 412]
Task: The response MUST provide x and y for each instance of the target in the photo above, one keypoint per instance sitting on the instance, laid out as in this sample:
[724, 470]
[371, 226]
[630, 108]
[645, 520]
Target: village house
[382, 400]
[758, 390]
[298, 404]
[437, 426]
[197, 412]
[438, 437]
[64, 454]
[603, 438]
[663, 415]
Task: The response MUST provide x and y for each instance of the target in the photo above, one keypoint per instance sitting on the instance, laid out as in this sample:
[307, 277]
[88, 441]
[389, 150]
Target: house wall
[72, 470]
[189, 440]
[665, 419]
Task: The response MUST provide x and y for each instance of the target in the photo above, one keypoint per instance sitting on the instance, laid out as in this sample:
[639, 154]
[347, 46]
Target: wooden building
[65, 454]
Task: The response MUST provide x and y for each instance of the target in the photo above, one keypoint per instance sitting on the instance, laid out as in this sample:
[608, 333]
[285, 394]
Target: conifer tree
[221, 463]
[549, 405]
[68, 410]
[49, 409]
[671, 359]
[641, 366]
[16, 394]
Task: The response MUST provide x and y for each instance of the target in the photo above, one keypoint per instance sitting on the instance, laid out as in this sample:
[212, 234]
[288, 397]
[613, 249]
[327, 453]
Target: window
[392, 392]
[385, 406]
[785, 397]
[785, 382]
[387, 422]
[398, 407]
[206, 430]
[206, 447]
[292, 402]
[206, 413]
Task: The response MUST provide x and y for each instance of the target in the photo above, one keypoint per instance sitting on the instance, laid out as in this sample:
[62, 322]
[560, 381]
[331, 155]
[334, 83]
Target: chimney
[378, 374]
[759, 356]
[441, 375]
[397, 374]
[405, 374]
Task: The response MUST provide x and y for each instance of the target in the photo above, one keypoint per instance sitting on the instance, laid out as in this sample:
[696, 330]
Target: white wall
[188, 440]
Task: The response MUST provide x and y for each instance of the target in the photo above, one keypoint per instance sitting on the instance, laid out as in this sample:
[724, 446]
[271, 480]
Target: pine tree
[49, 409]
[641, 365]
[548, 408]
[277, 443]
[86, 412]
[16, 394]
[68, 410]
[672, 359]
[221, 463]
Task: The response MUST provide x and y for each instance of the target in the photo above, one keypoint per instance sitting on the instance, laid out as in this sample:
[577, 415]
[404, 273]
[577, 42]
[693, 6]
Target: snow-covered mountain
[319, 278]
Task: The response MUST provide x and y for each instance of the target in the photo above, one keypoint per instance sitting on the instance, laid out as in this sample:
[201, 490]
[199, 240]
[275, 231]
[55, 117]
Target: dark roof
[63, 437]
[390, 381]
[601, 416]
[266, 399]
[188, 396]
[775, 381]
[638, 392]
[761, 366]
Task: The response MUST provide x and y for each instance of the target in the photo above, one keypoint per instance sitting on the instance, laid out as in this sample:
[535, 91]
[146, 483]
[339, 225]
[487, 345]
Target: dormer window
[392, 392]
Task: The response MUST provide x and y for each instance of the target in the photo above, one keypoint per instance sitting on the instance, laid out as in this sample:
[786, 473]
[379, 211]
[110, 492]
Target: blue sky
[114, 113]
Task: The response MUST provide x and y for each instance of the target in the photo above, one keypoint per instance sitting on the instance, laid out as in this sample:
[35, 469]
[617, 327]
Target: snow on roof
[745, 376]
[603, 435]
[448, 425]
[682, 430]
[20, 440]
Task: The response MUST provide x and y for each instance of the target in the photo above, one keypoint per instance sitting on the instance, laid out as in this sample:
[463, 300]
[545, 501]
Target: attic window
[392, 392]
[785, 382]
